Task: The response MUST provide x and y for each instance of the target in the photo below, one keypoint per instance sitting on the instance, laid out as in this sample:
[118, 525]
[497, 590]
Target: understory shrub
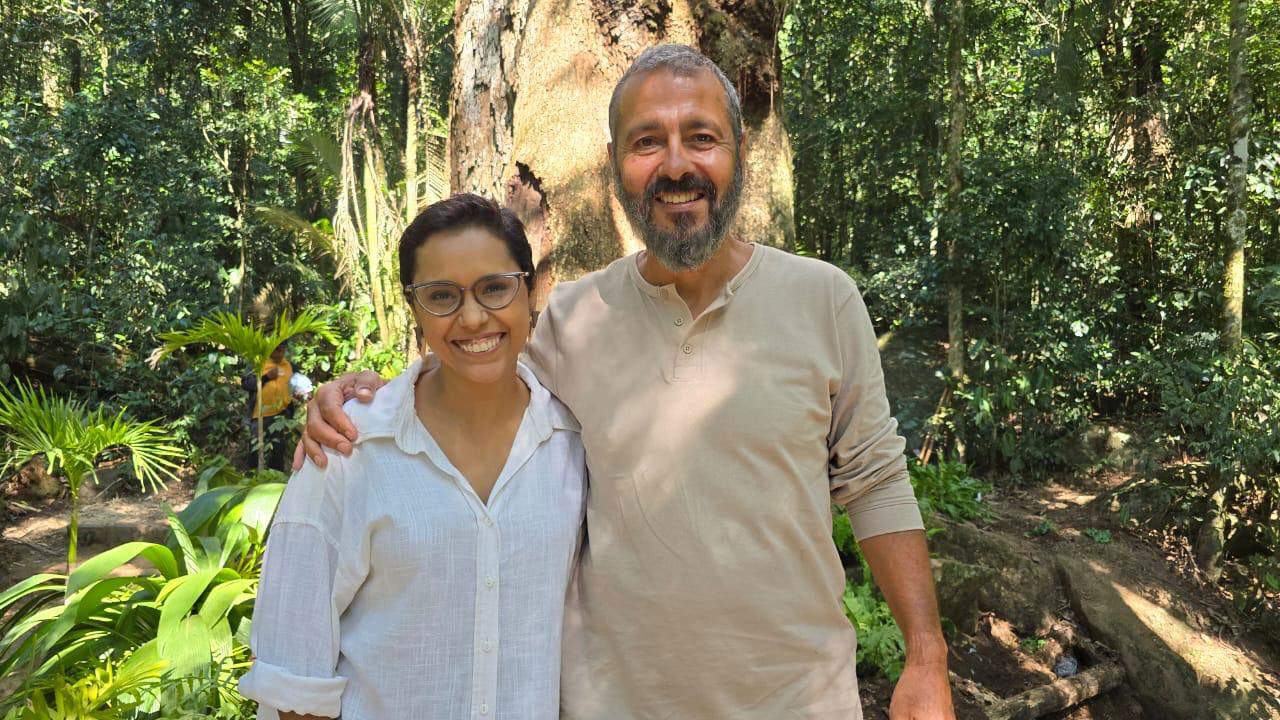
[167, 644]
[944, 490]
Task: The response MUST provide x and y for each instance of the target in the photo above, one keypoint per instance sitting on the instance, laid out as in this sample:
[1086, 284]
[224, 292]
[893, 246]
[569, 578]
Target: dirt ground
[34, 538]
[1005, 664]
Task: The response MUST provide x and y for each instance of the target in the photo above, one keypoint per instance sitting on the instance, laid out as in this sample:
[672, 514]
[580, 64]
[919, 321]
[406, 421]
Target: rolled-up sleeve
[296, 636]
[866, 465]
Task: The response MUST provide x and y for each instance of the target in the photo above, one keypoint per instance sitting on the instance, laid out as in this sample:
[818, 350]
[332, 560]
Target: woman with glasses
[424, 576]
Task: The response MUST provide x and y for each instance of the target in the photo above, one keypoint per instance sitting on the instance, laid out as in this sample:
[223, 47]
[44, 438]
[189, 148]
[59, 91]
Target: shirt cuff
[887, 508]
[276, 688]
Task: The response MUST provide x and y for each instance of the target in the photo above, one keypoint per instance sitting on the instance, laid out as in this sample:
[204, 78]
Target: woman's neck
[469, 404]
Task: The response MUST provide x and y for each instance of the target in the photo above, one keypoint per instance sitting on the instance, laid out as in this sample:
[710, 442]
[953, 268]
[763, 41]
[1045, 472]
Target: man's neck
[699, 287]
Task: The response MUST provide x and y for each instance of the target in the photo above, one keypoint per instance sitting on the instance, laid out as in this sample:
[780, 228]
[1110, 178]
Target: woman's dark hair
[460, 211]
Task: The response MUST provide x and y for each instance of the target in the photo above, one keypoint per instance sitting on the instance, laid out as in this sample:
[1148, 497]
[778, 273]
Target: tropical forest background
[1064, 216]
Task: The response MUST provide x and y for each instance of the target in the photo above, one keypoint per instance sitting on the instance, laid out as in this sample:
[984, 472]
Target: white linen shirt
[390, 590]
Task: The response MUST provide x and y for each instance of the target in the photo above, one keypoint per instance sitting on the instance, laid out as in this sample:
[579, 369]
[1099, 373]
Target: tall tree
[955, 186]
[529, 104]
[1240, 100]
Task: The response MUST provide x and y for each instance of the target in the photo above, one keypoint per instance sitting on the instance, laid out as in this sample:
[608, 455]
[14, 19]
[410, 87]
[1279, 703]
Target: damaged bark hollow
[529, 115]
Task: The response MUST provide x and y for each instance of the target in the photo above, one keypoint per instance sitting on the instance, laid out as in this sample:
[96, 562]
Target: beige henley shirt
[709, 587]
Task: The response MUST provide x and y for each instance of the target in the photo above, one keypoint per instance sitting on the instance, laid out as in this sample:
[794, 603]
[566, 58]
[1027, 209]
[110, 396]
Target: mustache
[688, 183]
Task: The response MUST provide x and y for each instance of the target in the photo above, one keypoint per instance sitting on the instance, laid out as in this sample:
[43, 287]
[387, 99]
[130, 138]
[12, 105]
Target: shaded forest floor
[1006, 655]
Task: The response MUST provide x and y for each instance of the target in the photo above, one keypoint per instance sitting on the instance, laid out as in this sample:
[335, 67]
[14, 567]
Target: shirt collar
[669, 290]
[391, 413]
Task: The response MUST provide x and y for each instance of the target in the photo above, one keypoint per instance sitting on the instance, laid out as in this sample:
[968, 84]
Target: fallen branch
[973, 690]
[1059, 694]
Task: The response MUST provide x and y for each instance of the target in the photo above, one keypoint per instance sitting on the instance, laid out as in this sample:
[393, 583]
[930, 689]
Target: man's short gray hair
[681, 61]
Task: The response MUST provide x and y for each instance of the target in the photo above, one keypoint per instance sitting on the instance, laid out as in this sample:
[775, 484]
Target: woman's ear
[533, 319]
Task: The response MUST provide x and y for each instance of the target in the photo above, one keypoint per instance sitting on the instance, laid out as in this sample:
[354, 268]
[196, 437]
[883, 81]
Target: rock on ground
[1176, 671]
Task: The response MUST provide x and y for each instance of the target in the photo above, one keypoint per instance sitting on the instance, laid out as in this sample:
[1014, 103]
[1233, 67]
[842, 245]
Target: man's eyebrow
[703, 123]
[642, 128]
[693, 123]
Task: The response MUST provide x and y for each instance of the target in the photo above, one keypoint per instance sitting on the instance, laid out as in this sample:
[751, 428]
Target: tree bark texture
[1237, 174]
[529, 115]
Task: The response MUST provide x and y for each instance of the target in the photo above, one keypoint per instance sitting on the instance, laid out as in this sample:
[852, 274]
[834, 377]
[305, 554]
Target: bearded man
[728, 393]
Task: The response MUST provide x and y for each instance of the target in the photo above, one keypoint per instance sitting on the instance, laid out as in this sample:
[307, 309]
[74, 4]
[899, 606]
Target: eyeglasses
[442, 297]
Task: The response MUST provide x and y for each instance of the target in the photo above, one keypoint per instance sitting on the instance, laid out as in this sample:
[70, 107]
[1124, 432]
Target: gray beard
[684, 248]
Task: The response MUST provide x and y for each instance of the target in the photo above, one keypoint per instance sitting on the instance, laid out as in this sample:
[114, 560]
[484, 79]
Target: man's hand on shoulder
[327, 424]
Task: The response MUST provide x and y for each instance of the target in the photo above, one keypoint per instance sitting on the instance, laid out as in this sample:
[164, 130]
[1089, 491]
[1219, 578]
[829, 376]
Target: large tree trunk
[529, 108]
[1237, 174]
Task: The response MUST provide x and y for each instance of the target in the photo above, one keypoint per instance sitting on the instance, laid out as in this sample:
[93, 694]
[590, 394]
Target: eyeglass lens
[493, 293]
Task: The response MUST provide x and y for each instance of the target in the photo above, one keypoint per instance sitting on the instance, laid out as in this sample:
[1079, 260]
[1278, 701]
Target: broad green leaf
[188, 649]
[260, 506]
[103, 563]
[206, 505]
[176, 602]
[44, 582]
[223, 597]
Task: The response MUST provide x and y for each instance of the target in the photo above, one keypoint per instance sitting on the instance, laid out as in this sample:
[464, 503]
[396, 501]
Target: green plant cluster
[944, 490]
[169, 643]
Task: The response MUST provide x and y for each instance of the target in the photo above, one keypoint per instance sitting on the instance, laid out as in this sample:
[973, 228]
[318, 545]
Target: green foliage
[1031, 645]
[1098, 535]
[1042, 529]
[250, 343]
[72, 438]
[93, 645]
[253, 345]
[947, 489]
[943, 490]
[880, 642]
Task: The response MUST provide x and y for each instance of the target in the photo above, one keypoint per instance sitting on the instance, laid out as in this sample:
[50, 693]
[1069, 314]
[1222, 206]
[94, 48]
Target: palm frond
[233, 333]
[289, 221]
[316, 154]
[154, 455]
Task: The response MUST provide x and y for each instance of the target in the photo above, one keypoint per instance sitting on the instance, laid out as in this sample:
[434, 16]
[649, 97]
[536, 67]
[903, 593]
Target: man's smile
[679, 198]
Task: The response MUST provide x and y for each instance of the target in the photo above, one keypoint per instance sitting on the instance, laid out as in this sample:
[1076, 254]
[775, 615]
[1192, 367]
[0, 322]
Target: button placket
[485, 662]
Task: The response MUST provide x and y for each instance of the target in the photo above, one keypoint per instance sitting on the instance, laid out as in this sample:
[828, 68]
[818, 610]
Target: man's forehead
[640, 95]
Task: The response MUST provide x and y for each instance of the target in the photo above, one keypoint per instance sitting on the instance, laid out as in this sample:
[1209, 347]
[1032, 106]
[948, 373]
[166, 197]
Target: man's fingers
[299, 456]
[326, 420]
[367, 383]
[313, 450]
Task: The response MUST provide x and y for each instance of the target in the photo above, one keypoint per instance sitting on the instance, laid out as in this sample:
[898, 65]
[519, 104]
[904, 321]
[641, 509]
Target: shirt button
[488, 582]
[484, 709]
[488, 522]
[688, 349]
[679, 321]
[486, 646]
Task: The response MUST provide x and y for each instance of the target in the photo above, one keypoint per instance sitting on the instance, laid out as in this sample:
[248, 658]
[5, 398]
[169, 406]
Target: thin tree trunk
[411, 45]
[73, 540]
[262, 463]
[1211, 538]
[1237, 174]
[955, 184]
[297, 75]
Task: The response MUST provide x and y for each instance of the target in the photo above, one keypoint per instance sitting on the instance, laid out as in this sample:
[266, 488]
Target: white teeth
[478, 346]
[677, 198]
